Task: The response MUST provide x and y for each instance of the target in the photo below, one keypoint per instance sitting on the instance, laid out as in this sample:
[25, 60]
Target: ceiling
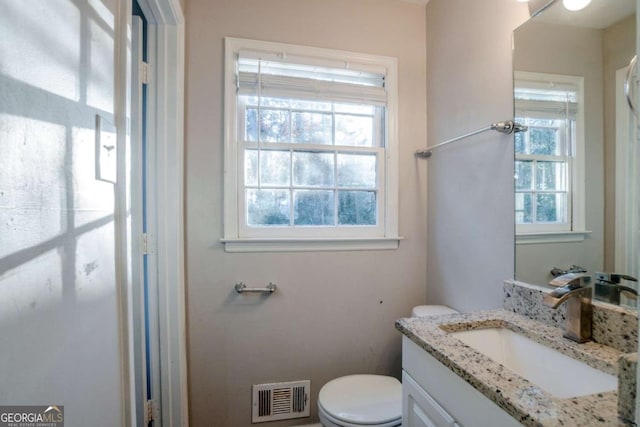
[599, 14]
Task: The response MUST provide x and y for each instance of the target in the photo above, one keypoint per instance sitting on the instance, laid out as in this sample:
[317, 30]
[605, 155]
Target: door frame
[165, 156]
[165, 127]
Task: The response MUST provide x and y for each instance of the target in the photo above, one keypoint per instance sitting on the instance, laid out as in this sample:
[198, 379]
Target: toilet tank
[431, 310]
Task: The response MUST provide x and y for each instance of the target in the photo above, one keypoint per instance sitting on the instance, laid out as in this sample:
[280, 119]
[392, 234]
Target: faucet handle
[615, 277]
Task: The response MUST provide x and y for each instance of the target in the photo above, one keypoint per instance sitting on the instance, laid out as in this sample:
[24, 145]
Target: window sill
[311, 245]
[551, 237]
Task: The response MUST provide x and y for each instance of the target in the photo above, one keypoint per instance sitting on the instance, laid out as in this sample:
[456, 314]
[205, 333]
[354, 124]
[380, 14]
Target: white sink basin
[547, 368]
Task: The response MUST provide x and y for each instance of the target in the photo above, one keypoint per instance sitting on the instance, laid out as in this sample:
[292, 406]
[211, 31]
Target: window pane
[354, 109]
[250, 167]
[520, 143]
[524, 208]
[275, 102]
[249, 100]
[275, 168]
[357, 207]
[251, 125]
[524, 175]
[313, 207]
[550, 207]
[268, 207]
[311, 128]
[313, 169]
[550, 175]
[357, 170]
[544, 141]
[354, 130]
[300, 104]
[274, 125]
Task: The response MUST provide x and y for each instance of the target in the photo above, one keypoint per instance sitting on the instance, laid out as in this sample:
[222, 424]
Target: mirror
[575, 169]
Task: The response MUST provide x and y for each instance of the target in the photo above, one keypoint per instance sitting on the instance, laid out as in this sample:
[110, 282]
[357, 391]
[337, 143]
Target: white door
[60, 337]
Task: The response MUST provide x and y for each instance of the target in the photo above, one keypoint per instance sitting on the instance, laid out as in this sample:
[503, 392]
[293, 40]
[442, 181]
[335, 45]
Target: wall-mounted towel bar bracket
[508, 127]
[242, 288]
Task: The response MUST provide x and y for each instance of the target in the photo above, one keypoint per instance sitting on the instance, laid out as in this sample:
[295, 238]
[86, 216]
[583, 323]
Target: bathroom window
[549, 165]
[310, 151]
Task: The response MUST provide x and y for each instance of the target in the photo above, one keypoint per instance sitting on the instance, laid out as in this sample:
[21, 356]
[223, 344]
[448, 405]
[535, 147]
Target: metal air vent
[280, 401]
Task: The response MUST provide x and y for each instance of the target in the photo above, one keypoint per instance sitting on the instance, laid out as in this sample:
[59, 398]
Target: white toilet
[367, 400]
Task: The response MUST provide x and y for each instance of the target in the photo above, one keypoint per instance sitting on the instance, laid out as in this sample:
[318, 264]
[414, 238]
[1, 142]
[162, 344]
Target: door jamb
[165, 125]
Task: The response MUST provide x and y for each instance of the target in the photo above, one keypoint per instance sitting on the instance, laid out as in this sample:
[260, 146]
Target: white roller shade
[270, 78]
[549, 99]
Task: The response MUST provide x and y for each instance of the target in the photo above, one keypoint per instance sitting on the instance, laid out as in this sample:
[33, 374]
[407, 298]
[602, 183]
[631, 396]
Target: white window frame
[236, 238]
[576, 230]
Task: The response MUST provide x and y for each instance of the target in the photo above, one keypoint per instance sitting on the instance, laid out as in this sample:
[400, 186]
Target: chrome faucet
[579, 310]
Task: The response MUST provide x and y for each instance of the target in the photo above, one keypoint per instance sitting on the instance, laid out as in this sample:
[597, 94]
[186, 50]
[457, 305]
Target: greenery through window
[541, 173]
[305, 172]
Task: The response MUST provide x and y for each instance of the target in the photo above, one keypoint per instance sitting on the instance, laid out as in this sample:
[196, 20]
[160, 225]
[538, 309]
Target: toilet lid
[363, 399]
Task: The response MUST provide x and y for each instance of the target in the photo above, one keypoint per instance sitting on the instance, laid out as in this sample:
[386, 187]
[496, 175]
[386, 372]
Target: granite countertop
[523, 400]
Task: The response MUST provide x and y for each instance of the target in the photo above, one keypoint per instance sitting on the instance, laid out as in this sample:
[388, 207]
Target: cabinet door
[419, 409]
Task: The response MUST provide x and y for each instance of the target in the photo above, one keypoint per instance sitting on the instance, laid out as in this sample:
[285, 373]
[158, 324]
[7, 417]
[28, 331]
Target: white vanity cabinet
[433, 396]
[419, 409]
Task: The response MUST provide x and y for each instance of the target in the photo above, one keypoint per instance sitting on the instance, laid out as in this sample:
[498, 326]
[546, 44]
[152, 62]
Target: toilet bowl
[367, 400]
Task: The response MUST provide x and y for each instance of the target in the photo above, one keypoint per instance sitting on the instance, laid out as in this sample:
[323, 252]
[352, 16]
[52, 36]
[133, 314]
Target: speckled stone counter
[523, 400]
[627, 386]
[614, 326]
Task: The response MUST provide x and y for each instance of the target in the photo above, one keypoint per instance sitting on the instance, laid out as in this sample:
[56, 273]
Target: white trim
[122, 84]
[137, 327]
[551, 237]
[307, 245]
[166, 123]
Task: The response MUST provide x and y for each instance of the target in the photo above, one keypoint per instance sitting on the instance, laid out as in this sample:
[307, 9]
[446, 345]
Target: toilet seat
[361, 400]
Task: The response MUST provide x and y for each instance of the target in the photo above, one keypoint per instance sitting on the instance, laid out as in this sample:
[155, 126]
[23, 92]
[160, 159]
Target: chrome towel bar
[242, 288]
[508, 127]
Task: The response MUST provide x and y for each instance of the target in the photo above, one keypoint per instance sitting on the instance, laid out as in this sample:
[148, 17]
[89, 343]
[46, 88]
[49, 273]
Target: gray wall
[333, 313]
[470, 248]
[59, 327]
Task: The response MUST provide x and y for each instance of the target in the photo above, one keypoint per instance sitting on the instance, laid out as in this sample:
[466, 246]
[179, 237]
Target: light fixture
[575, 4]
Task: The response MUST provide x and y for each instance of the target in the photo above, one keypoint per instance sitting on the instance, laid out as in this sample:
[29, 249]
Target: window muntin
[313, 148]
[542, 173]
[300, 169]
[549, 157]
